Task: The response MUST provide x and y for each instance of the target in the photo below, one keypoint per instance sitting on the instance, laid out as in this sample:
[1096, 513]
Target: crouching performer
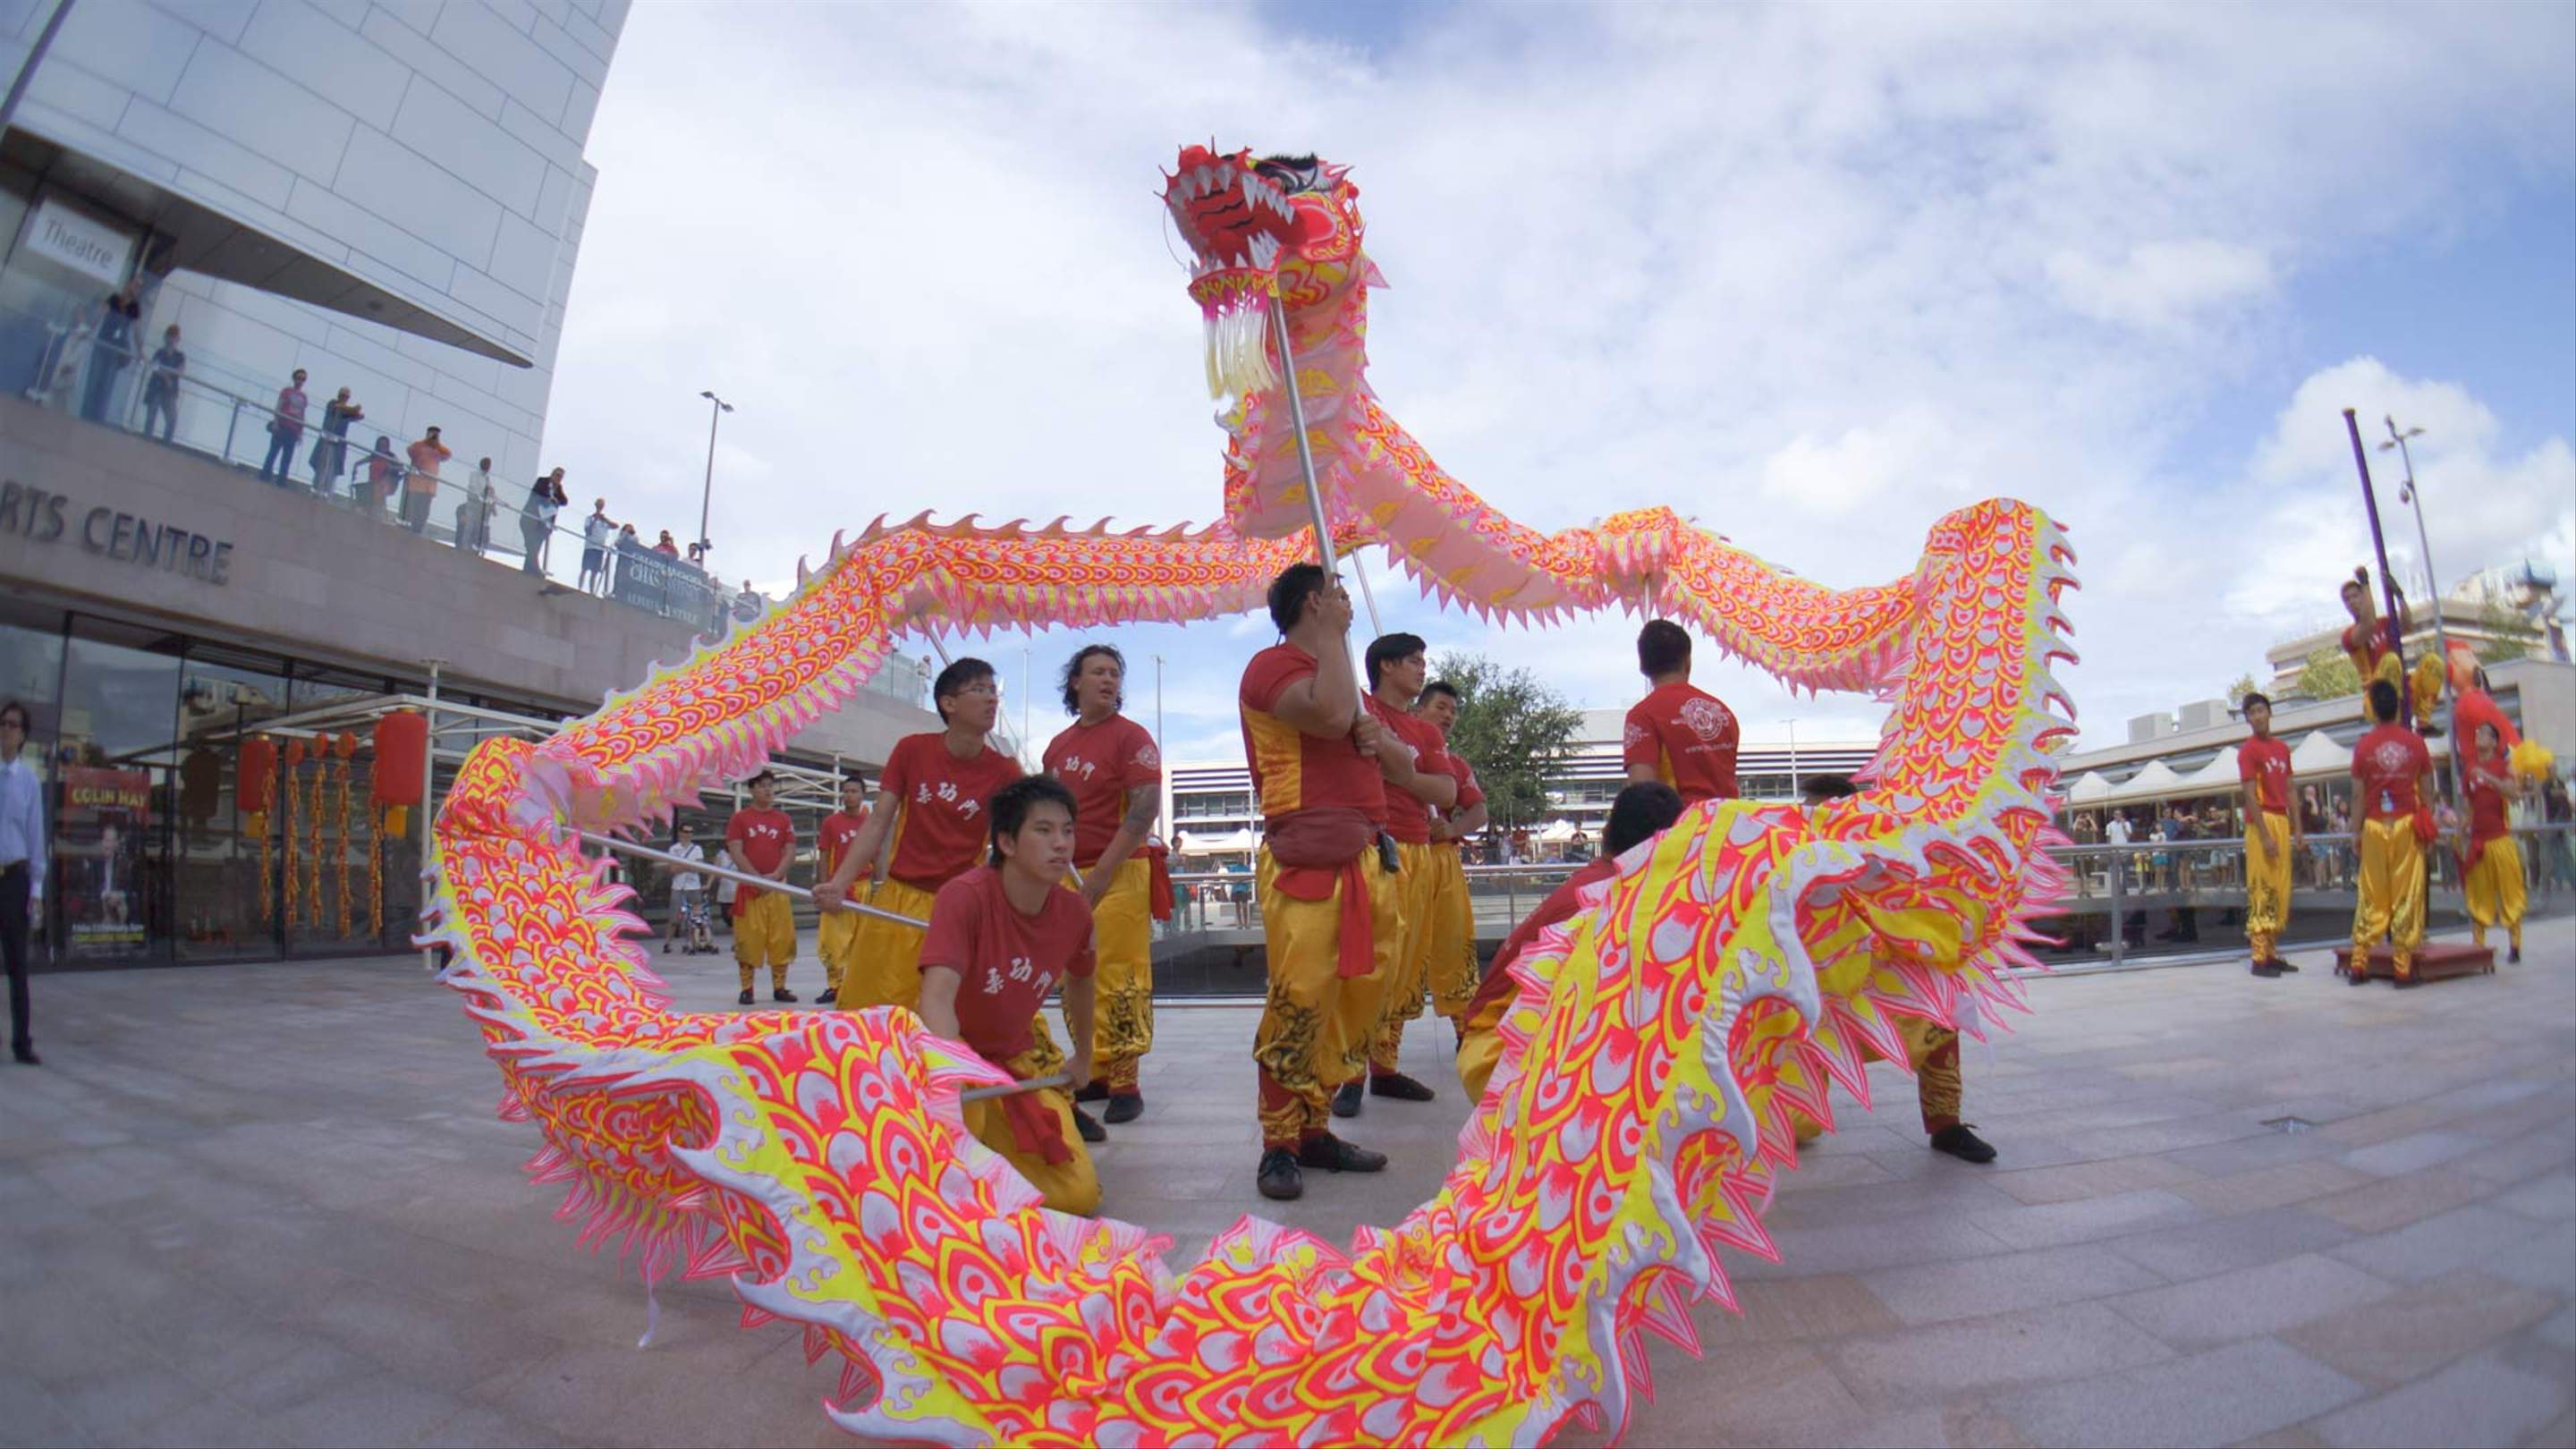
[1001, 936]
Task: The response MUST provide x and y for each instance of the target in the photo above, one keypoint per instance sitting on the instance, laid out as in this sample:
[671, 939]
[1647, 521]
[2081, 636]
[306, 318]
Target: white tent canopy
[2155, 781]
[1558, 832]
[1232, 842]
[2089, 789]
[2319, 754]
[2218, 774]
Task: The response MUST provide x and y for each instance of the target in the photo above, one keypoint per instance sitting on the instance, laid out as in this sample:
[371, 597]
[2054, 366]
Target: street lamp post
[2408, 493]
[706, 499]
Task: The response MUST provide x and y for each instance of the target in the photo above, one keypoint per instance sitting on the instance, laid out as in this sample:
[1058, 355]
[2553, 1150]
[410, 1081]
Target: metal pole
[2414, 496]
[429, 783]
[2119, 917]
[1297, 421]
[738, 877]
[1367, 596]
[35, 54]
[2379, 546]
[1171, 827]
[707, 495]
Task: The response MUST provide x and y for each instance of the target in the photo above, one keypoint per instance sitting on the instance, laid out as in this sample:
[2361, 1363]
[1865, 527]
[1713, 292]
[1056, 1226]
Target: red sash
[1318, 849]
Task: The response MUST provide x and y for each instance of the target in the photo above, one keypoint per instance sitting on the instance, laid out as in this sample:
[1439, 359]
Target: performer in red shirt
[761, 840]
[2272, 835]
[1416, 766]
[1683, 736]
[2366, 643]
[1001, 936]
[1641, 812]
[931, 803]
[1115, 772]
[2388, 766]
[2493, 879]
[1330, 918]
[835, 931]
[1451, 952]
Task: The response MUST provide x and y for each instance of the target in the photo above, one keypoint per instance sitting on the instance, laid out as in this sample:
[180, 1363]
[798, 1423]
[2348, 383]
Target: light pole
[2408, 493]
[1169, 833]
[706, 499]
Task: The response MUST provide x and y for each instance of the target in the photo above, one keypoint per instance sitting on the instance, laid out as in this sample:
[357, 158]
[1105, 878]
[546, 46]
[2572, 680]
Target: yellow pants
[1317, 1026]
[884, 965]
[1480, 1048]
[1122, 933]
[1453, 972]
[1400, 1000]
[765, 932]
[2426, 685]
[1069, 1187]
[2496, 891]
[2267, 882]
[832, 937]
[1933, 1052]
[2391, 901]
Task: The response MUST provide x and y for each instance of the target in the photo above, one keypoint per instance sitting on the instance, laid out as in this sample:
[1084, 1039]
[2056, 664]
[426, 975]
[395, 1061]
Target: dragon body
[1732, 970]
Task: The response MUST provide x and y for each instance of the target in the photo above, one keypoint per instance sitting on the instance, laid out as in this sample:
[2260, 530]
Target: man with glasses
[22, 867]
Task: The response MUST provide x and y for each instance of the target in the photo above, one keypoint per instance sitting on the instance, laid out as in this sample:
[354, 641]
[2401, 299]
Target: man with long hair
[1115, 773]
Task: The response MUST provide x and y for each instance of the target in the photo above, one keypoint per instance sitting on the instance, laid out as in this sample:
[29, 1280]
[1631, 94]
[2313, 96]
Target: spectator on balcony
[474, 511]
[629, 546]
[597, 532]
[285, 430]
[112, 349]
[420, 485]
[161, 387]
[667, 547]
[384, 472]
[537, 519]
[331, 450]
[748, 604]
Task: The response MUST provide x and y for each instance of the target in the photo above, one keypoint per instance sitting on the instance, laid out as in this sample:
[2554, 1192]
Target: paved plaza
[270, 1204]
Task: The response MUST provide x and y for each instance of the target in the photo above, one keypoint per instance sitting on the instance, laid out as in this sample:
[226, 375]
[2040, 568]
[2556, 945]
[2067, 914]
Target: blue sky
[1814, 275]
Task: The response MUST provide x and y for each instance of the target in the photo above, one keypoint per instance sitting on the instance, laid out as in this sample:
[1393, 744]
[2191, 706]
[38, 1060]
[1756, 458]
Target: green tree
[2328, 674]
[1513, 729]
[2241, 687]
[2514, 634]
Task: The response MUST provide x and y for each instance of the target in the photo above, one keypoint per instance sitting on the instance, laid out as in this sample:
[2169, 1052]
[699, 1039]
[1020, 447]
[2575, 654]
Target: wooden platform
[2434, 961]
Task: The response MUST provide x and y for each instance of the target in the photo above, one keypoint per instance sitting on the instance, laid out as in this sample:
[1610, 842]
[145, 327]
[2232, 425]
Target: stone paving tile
[1824, 1305]
[1977, 1355]
[2211, 1398]
[2039, 1186]
[2088, 1219]
[2393, 1202]
[1934, 1292]
[2230, 1245]
[2409, 1332]
[2433, 1246]
[2480, 1400]
[2411, 1153]
[2551, 1199]
[34, 1416]
[2275, 1296]
[2269, 1187]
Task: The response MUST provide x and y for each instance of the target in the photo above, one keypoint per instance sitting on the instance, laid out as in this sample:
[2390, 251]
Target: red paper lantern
[347, 746]
[252, 771]
[294, 753]
[402, 741]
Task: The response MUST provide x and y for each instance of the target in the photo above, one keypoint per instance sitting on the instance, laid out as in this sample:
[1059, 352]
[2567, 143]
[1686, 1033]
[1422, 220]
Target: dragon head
[1254, 229]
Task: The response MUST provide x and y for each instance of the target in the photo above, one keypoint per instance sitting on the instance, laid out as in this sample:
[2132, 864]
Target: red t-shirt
[2385, 766]
[944, 831]
[1560, 905]
[759, 839]
[1408, 816]
[2488, 817]
[2369, 641]
[1470, 794]
[1688, 736]
[1291, 769]
[1005, 962]
[838, 830]
[2269, 762]
[1100, 764]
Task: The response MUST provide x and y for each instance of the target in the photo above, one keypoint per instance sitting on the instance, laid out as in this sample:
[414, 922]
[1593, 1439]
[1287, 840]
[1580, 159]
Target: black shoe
[2283, 963]
[1280, 1178]
[2408, 982]
[1346, 1102]
[1124, 1107]
[666, 948]
[2266, 969]
[830, 995]
[1091, 1131]
[26, 1056]
[1332, 1154]
[1094, 1090]
[1962, 1144]
[2513, 957]
[1399, 1086]
[781, 993]
[746, 996]
[2357, 976]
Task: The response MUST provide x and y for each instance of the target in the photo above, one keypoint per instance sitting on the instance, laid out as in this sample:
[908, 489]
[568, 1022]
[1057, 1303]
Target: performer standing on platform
[1639, 813]
[2494, 876]
[1452, 948]
[2374, 656]
[2391, 775]
[762, 838]
[1110, 764]
[1683, 736]
[1931, 1050]
[1329, 913]
[834, 932]
[1001, 936]
[2272, 835]
[1416, 766]
[931, 804]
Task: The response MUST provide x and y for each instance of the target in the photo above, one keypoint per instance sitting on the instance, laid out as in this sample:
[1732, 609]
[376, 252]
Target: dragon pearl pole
[1305, 450]
[738, 877]
[2379, 545]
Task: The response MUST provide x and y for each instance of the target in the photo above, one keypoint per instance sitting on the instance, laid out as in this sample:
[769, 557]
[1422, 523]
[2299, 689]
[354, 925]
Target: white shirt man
[22, 867]
[687, 886]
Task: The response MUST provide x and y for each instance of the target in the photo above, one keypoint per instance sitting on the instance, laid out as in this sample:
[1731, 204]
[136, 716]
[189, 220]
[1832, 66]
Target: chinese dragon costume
[1730, 972]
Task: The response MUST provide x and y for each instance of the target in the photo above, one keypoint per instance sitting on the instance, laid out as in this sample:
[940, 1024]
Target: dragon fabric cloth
[1734, 968]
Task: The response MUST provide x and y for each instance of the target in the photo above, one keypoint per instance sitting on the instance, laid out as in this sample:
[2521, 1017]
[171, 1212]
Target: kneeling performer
[1001, 936]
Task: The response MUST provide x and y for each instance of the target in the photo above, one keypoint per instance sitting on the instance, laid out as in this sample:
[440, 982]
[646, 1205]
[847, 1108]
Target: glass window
[117, 758]
[227, 903]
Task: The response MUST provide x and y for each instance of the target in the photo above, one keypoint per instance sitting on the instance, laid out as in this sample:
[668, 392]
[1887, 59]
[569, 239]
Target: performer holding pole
[2493, 878]
[2387, 662]
[1416, 767]
[2390, 771]
[2272, 835]
[1451, 950]
[1115, 773]
[836, 930]
[764, 929]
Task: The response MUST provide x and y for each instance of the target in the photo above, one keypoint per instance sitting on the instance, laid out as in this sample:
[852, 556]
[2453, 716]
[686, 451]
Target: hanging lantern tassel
[315, 805]
[294, 877]
[254, 782]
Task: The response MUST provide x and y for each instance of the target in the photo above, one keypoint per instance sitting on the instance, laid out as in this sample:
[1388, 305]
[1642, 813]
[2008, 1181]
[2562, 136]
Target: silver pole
[2414, 496]
[429, 783]
[1013, 1089]
[706, 496]
[35, 54]
[739, 877]
[1367, 596]
[1297, 421]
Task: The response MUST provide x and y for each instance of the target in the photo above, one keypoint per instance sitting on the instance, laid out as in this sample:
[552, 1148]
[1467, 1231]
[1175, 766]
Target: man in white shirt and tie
[22, 866]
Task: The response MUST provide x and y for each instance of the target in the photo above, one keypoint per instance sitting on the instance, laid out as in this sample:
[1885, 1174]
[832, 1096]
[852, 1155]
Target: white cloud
[1814, 276]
